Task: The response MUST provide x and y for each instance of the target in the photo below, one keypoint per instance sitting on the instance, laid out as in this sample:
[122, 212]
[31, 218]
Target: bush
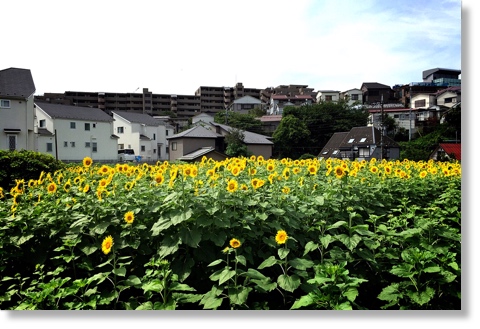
[25, 165]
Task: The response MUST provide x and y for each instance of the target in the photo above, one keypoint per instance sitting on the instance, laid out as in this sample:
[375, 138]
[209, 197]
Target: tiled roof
[375, 85]
[453, 89]
[332, 144]
[249, 137]
[270, 118]
[196, 132]
[247, 100]
[141, 118]
[60, 111]
[198, 153]
[16, 83]
[426, 73]
[367, 135]
[455, 148]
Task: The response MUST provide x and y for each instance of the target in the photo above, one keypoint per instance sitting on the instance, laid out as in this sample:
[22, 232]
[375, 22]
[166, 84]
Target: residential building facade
[17, 109]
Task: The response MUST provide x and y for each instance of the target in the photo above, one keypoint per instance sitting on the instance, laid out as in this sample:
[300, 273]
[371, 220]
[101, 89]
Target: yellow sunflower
[129, 217]
[339, 172]
[52, 187]
[232, 186]
[234, 243]
[281, 237]
[159, 179]
[87, 161]
[107, 244]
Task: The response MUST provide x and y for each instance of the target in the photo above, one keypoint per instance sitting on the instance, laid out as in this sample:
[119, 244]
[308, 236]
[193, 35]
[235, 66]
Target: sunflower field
[238, 234]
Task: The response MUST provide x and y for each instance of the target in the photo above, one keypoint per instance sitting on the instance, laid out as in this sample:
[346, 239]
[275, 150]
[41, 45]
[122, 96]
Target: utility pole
[381, 128]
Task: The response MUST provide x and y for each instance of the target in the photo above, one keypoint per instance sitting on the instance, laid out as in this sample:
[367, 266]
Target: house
[71, 133]
[256, 144]
[352, 96]
[208, 152]
[447, 151]
[245, 104]
[374, 92]
[270, 123]
[405, 118]
[328, 96]
[279, 102]
[17, 109]
[186, 143]
[360, 143]
[143, 133]
[203, 117]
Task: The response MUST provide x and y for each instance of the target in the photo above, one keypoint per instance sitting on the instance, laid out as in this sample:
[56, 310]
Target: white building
[146, 135]
[71, 133]
[16, 109]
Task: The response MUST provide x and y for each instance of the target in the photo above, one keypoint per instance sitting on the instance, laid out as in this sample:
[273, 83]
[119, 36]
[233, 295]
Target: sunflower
[234, 243]
[286, 189]
[312, 169]
[129, 217]
[103, 182]
[107, 244]
[270, 166]
[423, 174]
[232, 186]
[235, 170]
[159, 179]
[339, 172]
[67, 186]
[52, 187]
[281, 237]
[86, 188]
[256, 183]
[374, 169]
[87, 161]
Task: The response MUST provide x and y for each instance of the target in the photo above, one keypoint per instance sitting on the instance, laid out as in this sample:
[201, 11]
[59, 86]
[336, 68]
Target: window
[363, 152]
[120, 146]
[87, 144]
[166, 132]
[335, 152]
[65, 144]
[120, 130]
[354, 97]
[12, 142]
[42, 123]
[328, 97]
[420, 103]
[5, 103]
[142, 148]
[351, 140]
[87, 126]
[49, 147]
[72, 144]
[73, 125]
[450, 100]
[154, 137]
[363, 140]
[94, 125]
[94, 147]
[174, 146]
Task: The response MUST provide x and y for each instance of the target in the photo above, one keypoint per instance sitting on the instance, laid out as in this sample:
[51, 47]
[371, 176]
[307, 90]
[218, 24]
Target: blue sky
[173, 47]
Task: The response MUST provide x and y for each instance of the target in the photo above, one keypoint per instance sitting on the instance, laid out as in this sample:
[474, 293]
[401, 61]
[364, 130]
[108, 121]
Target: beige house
[16, 110]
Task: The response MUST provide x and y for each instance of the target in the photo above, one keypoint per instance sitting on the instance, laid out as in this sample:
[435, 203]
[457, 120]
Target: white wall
[18, 116]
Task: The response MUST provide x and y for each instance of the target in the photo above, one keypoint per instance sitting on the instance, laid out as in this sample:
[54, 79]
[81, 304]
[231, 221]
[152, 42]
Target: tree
[290, 136]
[247, 122]
[235, 144]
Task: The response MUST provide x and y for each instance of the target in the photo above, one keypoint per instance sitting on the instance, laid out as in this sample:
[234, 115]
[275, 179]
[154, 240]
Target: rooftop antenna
[136, 89]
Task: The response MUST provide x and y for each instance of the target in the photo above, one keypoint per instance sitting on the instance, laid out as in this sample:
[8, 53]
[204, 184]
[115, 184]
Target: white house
[328, 96]
[352, 96]
[16, 109]
[71, 133]
[146, 135]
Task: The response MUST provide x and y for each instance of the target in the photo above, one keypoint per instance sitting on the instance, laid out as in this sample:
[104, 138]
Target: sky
[174, 47]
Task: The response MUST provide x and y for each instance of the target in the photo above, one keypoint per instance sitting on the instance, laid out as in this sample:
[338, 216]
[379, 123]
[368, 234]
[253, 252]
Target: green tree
[246, 122]
[290, 136]
[235, 144]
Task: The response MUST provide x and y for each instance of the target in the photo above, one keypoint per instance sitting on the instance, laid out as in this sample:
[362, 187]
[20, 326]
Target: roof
[271, 118]
[135, 117]
[249, 137]
[192, 156]
[196, 132]
[61, 111]
[367, 135]
[247, 100]
[332, 144]
[375, 85]
[455, 148]
[16, 83]
[427, 73]
[453, 89]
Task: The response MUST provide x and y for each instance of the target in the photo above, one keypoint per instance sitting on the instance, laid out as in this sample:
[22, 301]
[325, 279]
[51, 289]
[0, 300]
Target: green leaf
[422, 297]
[169, 246]
[241, 259]
[343, 307]
[270, 261]
[147, 306]
[349, 242]
[238, 295]
[120, 271]
[154, 285]
[225, 276]
[336, 225]
[23, 239]
[304, 301]
[88, 249]
[191, 237]
[390, 293]
[160, 225]
[254, 274]
[325, 240]
[101, 228]
[431, 269]
[265, 285]
[277, 211]
[133, 280]
[283, 252]
[301, 264]
[309, 247]
[288, 283]
[180, 287]
[215, 262]
[403, 270]
[351, 293]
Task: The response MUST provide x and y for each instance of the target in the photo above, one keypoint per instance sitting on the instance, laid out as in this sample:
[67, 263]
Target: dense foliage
[25, 165]
[244, 233]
